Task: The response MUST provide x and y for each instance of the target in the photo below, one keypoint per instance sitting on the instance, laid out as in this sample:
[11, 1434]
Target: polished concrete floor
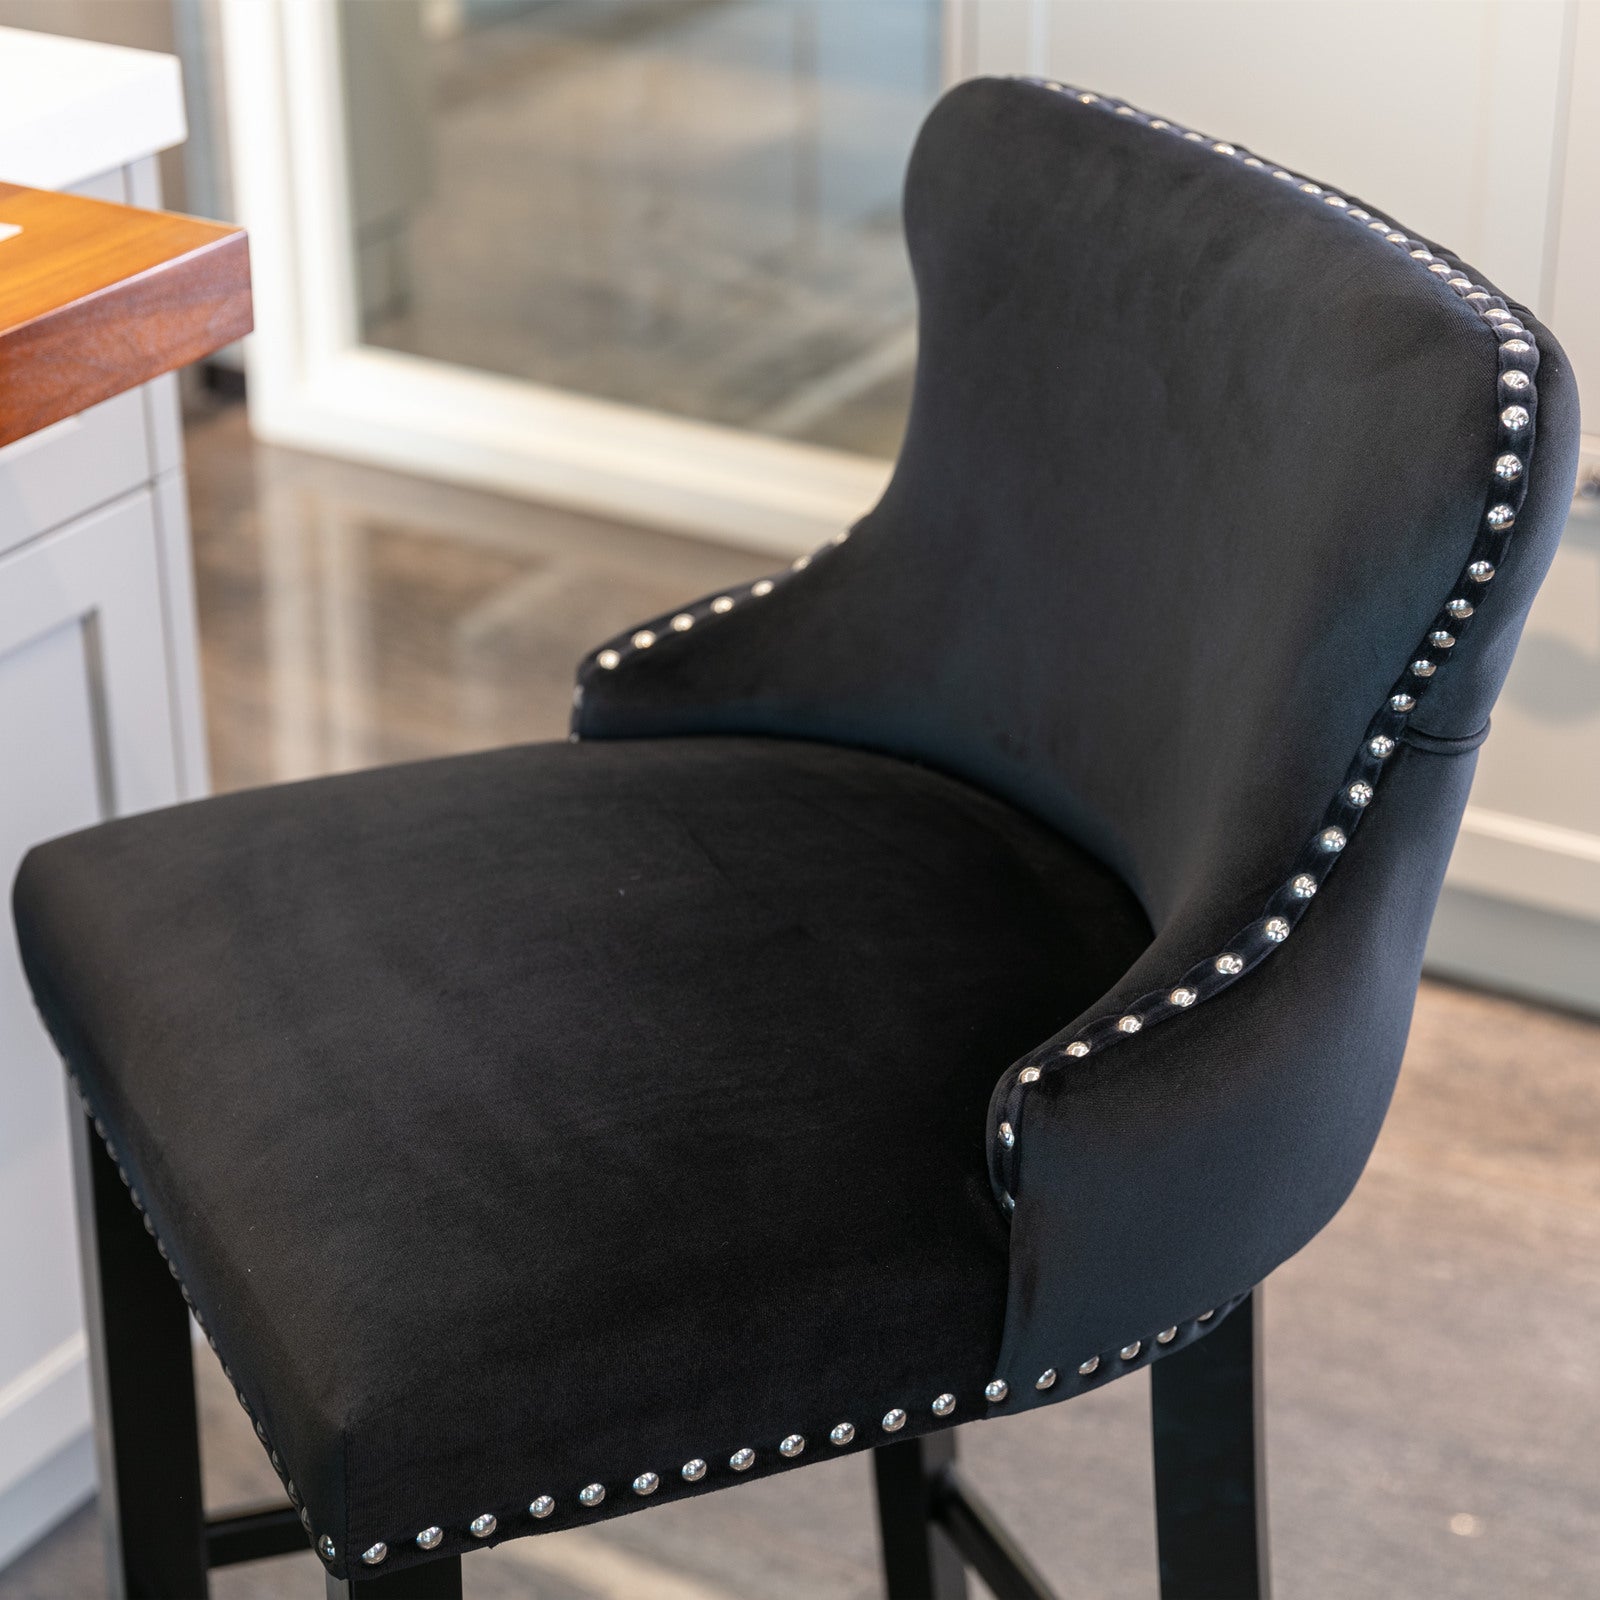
[1432, 1373]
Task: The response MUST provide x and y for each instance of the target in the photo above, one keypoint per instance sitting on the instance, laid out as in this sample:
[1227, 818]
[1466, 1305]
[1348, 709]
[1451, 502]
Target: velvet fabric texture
[560, 1114]
[557, 1115]
[1194, 463]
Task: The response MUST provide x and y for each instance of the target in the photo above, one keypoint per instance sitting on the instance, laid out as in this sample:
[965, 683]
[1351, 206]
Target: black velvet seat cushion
[563, 1113]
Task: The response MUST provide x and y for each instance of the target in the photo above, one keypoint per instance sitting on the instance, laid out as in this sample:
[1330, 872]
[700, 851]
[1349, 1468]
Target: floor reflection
[351, 616]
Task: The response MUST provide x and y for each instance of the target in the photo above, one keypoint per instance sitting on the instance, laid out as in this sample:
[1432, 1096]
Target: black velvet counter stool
[938, 980]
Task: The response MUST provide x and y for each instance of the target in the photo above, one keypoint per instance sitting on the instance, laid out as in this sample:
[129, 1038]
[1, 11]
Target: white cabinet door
[86, 731]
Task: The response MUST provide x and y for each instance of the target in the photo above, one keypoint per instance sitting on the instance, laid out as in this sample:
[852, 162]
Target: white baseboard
[46, 1496]
[1495, 943]
[46, 1463]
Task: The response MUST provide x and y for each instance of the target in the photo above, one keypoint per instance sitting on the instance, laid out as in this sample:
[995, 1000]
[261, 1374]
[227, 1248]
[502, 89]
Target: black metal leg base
[438, 1580]
[141, 1374]
[1207, 1421]
[932, 1521]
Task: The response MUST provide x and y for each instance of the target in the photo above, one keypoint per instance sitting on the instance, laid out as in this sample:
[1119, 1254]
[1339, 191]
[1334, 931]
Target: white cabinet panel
[72, 466]
[86, 730]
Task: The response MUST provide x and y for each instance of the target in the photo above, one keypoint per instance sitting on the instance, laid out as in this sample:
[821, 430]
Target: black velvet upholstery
[563, 1113]
[558, 1114]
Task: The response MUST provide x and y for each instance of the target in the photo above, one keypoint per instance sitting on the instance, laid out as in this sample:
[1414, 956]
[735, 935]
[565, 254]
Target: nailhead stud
[742, 1460]
[692, 1471]
[944, 1405]
[1008, 1135]
[1514, 419]
[1460, 609]
[430, 1538]
[842, 1433]
[1481, 571]
[1515, 382]
[1360, 794]
[1205, 1316]
[542, 1507]
[1276, 929]
[1046, 1379]
[1440, 640]
[1382, 745]
[1332, 840]
[373, 1554]
[1166, 1336]
[1496, 315]
[1129, 1024]
[1304, 886]
[1183, 997]
[482, 1527]
[643, 639]
[792, 1446]
[646, 1483]
[894, 1421]
[325, 1548]
[723, 604]
[1516, 347]
[1130, 1352]
[1508, 468]
[1086, 1368]
[1402, 702]
[682, 623]
[1229, 965]
[995, 1390]
[1500, 516]
[591, 1494]
[763, 587]
[1029, 1075]
[1077, 1048]
[1423, 668]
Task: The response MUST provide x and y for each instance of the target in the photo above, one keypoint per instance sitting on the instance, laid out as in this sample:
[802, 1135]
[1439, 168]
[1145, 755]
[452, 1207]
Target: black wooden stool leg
[141, 1373]
[438, 1580]
[919, 1561]
[1211, 1476]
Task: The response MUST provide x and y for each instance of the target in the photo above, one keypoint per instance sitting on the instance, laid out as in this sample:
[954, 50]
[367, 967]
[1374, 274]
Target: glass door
[690, 206]
[639, 255]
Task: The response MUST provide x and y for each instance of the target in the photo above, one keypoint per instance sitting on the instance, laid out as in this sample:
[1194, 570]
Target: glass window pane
[686, 205]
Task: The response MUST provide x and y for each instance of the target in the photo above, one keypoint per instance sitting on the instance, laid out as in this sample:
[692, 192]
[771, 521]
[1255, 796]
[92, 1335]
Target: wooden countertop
[96, 298]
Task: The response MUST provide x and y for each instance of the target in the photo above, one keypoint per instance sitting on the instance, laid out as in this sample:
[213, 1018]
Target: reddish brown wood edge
[123, 334]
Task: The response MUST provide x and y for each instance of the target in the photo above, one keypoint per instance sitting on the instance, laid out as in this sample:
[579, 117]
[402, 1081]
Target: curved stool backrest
[1221, 507]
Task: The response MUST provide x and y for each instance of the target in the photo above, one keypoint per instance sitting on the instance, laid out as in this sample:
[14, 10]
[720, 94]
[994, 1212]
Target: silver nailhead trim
[646, 1483]
[742, 1460]
[482, 1526]
[373, 1554]
[894, 1421]
[693, 1471]
[430, 1538]
[996, 1390]
[1046, 1379]
[591, 1494]
[842, 1433]
[1508, 467]
[944, 1405]
[792, 1446]
[542, 1507]
[1089, 1367]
